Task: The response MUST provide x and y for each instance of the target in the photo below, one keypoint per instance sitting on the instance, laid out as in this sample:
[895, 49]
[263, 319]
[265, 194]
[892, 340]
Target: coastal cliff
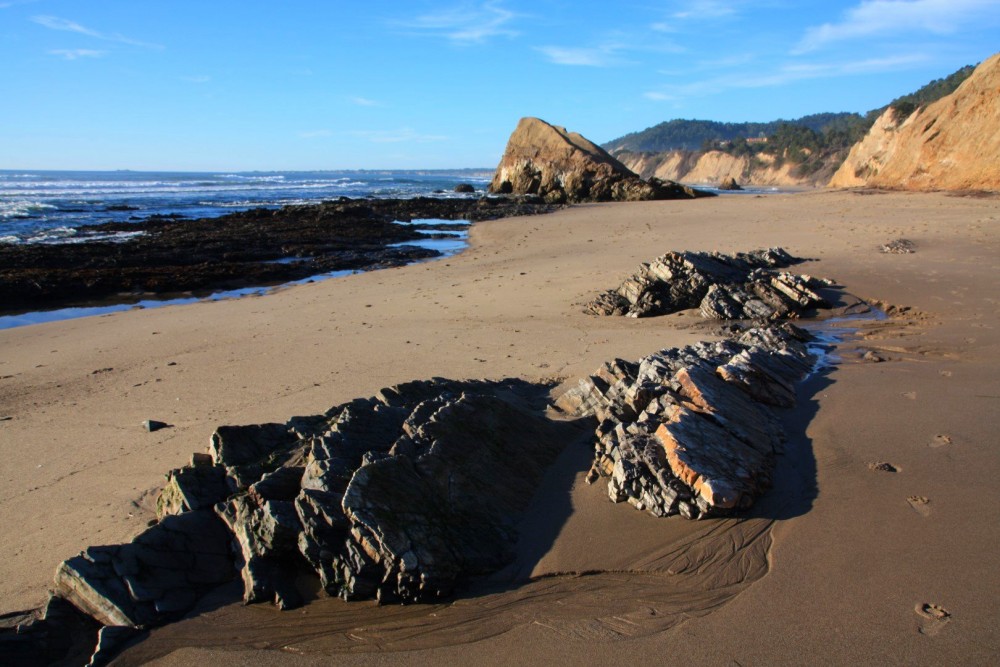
[561, 166]
[713, 167]
[951, 144]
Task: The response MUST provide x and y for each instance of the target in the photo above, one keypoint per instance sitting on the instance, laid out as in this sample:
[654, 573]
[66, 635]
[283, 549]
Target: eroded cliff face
[546, 160]
[952, 144]
[715, 167]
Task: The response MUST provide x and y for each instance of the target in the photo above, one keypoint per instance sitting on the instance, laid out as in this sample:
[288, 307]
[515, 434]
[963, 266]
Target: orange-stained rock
[718, 467]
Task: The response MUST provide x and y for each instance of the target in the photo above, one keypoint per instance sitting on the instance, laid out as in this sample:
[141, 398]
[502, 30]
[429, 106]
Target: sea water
[51, 206]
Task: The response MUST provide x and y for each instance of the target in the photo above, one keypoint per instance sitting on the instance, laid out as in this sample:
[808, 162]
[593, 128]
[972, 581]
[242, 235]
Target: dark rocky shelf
[176, 255]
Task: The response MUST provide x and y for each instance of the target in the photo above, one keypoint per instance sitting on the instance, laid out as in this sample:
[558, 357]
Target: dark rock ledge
[174, 256]
[408, 495]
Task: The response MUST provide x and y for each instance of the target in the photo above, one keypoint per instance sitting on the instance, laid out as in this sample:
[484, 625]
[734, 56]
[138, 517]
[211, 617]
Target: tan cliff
[951, 144]
[715, 167]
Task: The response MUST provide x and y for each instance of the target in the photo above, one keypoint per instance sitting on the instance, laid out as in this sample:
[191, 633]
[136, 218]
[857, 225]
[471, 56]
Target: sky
[304, 85]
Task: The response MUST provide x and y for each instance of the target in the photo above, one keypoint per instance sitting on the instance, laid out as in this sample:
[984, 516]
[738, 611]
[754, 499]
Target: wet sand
[836, 564]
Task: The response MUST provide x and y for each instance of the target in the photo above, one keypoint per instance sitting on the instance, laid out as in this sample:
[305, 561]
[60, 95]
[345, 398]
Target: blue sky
[220, 84]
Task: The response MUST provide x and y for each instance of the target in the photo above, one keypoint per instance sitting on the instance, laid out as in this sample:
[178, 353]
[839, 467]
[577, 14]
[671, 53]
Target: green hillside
[822, 132]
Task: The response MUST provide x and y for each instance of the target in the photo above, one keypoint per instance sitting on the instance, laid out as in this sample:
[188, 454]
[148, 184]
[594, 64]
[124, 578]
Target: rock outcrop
[406, 495]
[691, 430]
[560, 166]
[951, 144]
[725, 287]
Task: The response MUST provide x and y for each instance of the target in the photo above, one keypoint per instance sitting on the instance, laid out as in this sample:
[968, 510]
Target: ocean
[50, 206]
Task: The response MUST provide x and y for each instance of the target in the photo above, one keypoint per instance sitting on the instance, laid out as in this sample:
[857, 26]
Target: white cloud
[402, 135]
[315, 134]
[363, 101]
[783, 75]
[601, 56]
[698, 9]
[466, 23]
[884, 17]
[56, 23]
[73, 54]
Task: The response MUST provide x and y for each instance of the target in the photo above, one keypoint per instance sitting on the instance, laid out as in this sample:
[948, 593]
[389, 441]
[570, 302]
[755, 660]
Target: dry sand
[834, 566]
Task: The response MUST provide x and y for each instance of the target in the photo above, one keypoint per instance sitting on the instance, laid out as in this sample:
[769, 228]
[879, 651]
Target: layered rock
[560, 166]
[742, 286]
[691, 431]
[951, 144]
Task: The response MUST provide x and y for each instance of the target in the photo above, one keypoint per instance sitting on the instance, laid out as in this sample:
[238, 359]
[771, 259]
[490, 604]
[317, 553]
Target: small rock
[154, 425]
[464, 188]
[882, 466]
[898, 247]
[873, 357]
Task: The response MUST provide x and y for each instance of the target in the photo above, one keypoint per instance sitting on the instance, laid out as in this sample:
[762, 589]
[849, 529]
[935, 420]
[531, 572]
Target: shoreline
[509, 306]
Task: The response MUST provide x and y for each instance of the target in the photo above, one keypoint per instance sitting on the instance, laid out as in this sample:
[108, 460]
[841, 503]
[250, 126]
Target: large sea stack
[952, 144]
[561, 166]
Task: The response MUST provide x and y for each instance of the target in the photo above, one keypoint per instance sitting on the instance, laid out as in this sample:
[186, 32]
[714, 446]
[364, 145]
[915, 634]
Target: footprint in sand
[932, 618]
[940, 440]
[920, 505]
[882, 466]
[912, 395]
[946, 374]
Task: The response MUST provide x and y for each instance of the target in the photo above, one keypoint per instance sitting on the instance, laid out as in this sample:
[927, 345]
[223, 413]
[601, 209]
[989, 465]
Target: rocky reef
[560, 166]
[244, 249]
[742, 286]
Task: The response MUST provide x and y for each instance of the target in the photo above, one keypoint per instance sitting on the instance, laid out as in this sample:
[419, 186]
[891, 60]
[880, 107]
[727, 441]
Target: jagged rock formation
[690, 431]
[560, 166]
[155, 578]
[724, 287]
[404, 496]
[951, 144]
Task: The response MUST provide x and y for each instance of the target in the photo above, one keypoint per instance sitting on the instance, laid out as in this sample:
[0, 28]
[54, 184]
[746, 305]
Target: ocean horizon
[49, 206]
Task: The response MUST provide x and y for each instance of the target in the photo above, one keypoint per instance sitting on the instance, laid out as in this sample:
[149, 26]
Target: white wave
[61, 235]
[22, 209]
[253, 177]
[10, 239]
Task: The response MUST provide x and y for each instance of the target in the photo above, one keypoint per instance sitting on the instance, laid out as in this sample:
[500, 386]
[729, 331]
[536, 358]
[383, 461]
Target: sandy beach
[840, 563]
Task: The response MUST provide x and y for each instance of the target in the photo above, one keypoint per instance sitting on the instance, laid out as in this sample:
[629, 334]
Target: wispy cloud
[402, 135]
[315, 134]
[705, 9]
[56, 23]
[884, 17]
[468, 23]
[14, 3]
[363, 101]
[600, 56]
[783, 75]
[73, 54]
